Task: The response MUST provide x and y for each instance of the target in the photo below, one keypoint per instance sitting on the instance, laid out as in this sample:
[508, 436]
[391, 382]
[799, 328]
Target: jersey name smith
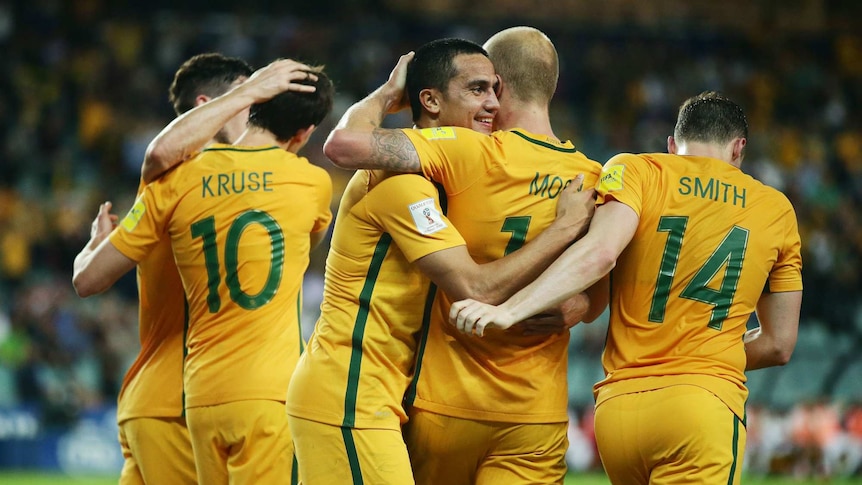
[713, 189]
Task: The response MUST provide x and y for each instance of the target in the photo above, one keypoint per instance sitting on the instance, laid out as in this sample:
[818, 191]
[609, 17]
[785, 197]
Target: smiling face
[469, 100]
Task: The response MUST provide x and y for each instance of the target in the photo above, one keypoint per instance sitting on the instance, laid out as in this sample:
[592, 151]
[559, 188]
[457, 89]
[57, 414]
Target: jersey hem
[337, 420]
[729, 393]
[481, 415]
[202, 402]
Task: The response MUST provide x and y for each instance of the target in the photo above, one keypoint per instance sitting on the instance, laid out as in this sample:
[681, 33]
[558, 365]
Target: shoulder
[589, 162]
[447, 134]
[776, 198]
[401, 183]
[625, 162]
[316, 172]
[626, 159]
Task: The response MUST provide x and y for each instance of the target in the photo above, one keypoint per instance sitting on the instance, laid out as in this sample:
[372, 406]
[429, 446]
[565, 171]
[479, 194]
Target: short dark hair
[433, 66]
[710, 117]
[210, 74]
[291, 111]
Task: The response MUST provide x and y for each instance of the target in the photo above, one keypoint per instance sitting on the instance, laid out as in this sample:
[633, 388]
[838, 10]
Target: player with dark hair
[391, 236]
[694, 246]
[241, 220]
[492, 410]
[152, 426]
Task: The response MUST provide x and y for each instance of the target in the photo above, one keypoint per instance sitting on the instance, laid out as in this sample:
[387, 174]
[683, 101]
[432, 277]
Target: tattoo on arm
[394, 151]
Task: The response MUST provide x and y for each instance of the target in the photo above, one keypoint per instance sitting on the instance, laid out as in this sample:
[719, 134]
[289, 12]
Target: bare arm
[560, 319]
[579, 267]
[191, 131]
[99, 265]
[773, 341]
[459, 276]
[358, 141]
[598, 295]
[584, 307]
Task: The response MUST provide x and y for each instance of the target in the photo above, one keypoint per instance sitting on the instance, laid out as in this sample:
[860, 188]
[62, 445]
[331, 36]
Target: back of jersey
[241, 234]
[710, 240]
[501, 192]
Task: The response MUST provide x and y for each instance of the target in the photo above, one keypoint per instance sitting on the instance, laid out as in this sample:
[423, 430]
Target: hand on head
[277, 77]
[396, 86]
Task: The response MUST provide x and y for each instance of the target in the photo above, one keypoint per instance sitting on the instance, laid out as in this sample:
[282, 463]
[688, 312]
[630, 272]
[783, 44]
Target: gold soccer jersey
[501, 192]
[239, 220]
[710, 240]
[361, 357]
[153, 385]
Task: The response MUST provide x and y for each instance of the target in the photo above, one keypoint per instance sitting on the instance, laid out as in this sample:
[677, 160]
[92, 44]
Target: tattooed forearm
[392, 150]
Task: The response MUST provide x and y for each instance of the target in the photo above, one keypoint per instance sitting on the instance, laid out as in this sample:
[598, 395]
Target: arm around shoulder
[359, 142]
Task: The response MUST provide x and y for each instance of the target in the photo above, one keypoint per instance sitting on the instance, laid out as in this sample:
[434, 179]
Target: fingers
[398, 76]
[401, 67]
[104, 222]
[471, 317]
[306, 76]
[578, 182]
[459, 315]
[394, 89]
[279, 76]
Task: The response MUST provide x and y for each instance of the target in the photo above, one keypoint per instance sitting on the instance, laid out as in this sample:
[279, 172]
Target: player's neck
[257, 137]
[708, 150]
[527, 116]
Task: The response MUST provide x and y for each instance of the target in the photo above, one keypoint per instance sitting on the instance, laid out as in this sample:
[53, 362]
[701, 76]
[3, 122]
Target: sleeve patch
[427, 218]
[439, 133]
[612, 178]
[134, 216]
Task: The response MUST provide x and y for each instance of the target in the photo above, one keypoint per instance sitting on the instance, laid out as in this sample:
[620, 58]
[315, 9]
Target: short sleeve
[324, 213]
[455, 157]
[146, 222]
[408, 208]
[786, 274]
[623, 179]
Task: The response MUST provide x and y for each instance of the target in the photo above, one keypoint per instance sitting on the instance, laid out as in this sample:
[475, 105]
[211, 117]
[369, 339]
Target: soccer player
[241, 220]
[345, 399]
[695, 246]
[152, 427]
[488, 410]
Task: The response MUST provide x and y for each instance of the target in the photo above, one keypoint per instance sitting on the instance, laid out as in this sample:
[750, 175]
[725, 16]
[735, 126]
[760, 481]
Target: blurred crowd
[84, 89]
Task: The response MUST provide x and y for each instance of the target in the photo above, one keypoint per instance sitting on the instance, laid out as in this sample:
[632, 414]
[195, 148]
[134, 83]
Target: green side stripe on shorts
[410, 395]
[359, 329]
[352, 456]
[294, 472]
[735, 446]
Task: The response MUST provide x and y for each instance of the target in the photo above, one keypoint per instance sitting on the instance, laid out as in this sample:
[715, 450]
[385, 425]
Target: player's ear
[301, 137]
[737, 151]
[671, 145]
[430, 100]
[201, 99]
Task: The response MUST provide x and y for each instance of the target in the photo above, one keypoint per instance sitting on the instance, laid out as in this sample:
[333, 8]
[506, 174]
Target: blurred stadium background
[83, 90]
